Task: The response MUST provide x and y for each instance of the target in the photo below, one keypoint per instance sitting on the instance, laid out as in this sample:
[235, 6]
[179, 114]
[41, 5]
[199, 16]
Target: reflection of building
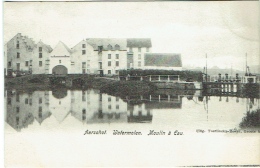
[111, 109]
[87, 106]
[90, 56]
[139, 113]
[23, 108]
[60, 104]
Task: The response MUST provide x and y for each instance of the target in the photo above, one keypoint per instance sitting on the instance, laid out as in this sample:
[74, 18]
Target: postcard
[131, 84]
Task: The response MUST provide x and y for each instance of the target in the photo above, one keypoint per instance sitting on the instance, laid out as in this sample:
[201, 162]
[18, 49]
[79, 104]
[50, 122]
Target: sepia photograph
[131, 84]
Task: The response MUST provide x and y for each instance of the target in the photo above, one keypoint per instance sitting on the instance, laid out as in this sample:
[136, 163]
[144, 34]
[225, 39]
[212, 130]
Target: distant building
[105, 56]
[162, 61]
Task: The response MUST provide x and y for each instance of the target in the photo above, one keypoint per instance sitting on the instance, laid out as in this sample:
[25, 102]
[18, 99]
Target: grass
[251, 120]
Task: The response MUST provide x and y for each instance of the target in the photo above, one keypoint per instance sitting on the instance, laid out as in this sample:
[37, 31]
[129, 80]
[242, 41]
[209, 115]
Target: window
[17, 97]
[83, 65]
[40, 49]
[109, 107]
[147, 49]
[117, 47]
[40, 100]
[117, 56]
[18, 55]
[83, 52]
[40, 109]
[40, 55]
[139, 64]
[109, 99]
[109, 71]
[40, 114]
[26, 101]
[117, 99]
[17, 109]
[117, 63]
[109, 63]
[139, 49]
[83, 96]
[117, 71]
[9, 64]
[100, 65]
[109, 56]
[109, 47]
[17, 120]
[17, 45]
[60, 61]
[40, 63]
[18, 66]
[130, 49]
[9, 101]
[83, 45]
[100, 48]
[139, 56]
[27, 63]
[117, 106]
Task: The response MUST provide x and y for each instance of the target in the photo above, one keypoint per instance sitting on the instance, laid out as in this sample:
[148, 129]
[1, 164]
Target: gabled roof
[162, 60]
[61, 49]
[48, 47]
[105, 42]
[139, 42]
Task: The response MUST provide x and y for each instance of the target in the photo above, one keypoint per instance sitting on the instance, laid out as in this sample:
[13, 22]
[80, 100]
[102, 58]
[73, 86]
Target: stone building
[104, 56]
[23, 55]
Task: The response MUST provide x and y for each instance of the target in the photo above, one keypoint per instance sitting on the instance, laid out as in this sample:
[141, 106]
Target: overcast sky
[223, 30]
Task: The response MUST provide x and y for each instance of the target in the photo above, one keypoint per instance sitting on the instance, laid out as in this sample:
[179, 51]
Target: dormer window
[40, 49]
[117, 47]
[83, 45]
[100, 48]
[109, 47]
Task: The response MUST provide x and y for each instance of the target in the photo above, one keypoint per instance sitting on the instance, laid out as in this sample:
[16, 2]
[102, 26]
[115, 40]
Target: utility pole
[246, 65]
[206, 69]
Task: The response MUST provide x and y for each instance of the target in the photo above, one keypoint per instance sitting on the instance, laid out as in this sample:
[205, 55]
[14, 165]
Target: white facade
[90, 56]
[61, 55]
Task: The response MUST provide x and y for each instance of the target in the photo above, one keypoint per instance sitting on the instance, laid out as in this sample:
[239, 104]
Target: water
[64, 109]
[46, 129]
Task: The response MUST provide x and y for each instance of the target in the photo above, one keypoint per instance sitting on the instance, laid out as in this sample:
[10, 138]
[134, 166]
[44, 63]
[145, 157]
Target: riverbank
[105, 85]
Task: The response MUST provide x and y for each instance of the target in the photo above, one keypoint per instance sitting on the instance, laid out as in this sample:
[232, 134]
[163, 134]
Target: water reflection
[93, 107]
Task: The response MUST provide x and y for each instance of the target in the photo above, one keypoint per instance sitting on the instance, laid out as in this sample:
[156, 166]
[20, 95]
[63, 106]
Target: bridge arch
[60, 70]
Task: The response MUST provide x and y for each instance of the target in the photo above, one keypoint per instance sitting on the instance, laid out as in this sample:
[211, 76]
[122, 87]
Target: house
[104, 56]
[23, 55]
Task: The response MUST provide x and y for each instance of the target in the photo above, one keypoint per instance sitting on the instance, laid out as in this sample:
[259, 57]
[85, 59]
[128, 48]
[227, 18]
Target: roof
[61, 49]
[162, 60]
[105, 42]
[48, 47]
[139, 42]
[68, 49]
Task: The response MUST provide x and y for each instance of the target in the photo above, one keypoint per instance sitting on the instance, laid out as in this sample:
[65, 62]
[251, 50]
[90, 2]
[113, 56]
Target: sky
[224, 30]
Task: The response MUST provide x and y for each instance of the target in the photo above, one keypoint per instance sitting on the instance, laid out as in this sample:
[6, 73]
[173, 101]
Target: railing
[152, 78]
